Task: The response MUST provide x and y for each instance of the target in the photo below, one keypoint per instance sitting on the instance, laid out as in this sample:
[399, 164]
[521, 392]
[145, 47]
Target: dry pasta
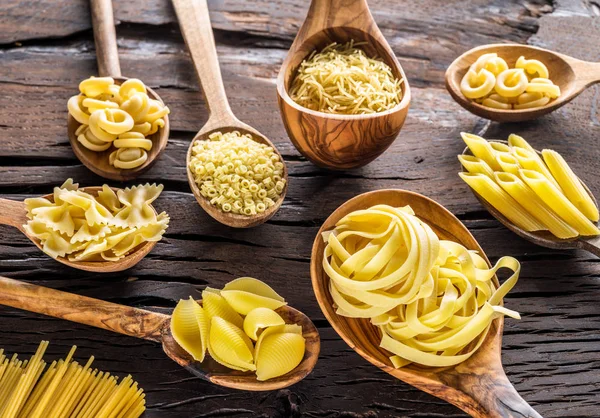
[237, 174]
[341, 78]
[65, 388]
[433, 300]
[120, 117]
[240, 329]
[535, 193]
[490, 82]
[105, 227]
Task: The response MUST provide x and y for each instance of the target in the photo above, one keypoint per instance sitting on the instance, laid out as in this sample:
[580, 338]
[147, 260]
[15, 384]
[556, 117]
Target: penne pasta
[531, 161]
[508, 162]
[561, 205]
[570, 184]
[475, 165]
[517, 141]
[481, 149]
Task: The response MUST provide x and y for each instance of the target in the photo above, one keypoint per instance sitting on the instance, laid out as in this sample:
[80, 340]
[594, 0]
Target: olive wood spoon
[570, 74]
[108, 66]
[155, 327]
[330, 140]
[194, 21]
[543, 238]
[14, 213]
[478, 385]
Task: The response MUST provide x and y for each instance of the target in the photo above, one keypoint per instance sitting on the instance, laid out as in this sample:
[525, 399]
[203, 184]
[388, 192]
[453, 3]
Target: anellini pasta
[491, 83]
[237, 174]
[117, 117]
[102, 227]
[536, 192]
[240, 329]
[343, 79]
[64, 389]
[432, 300]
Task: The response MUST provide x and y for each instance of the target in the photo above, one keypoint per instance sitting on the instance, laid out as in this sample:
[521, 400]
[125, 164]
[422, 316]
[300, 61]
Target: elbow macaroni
[121, 117]
[490, 82]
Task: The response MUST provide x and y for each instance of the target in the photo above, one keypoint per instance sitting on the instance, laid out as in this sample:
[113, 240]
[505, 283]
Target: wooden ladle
[570, 74]
[154, 326]
[108, 66]
[14, 213]
[479, 385]
[543, 238]
[194, 21]
[330, 140]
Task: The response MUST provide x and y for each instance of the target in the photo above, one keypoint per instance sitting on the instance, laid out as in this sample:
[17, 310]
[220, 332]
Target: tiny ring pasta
[516, 77]
[532, 67]
[476, 85]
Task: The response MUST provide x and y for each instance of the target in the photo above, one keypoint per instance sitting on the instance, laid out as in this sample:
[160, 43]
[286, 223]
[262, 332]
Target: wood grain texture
[551, 355]
[339, 142]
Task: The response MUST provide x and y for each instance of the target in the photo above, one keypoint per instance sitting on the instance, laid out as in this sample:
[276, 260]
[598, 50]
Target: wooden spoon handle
[125, 320]
[194, 21]
[590, 244]
[13, 213]
[324, 14]
[105, 38]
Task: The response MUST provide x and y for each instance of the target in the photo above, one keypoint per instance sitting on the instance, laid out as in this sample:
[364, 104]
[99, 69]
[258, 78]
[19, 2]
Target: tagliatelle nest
[343, 79]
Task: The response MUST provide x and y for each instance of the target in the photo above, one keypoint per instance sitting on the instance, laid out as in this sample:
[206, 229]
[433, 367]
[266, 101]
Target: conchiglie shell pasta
[229, 343]
[216, 306]
[244, 302]
[252, 285]
[189, 327]
[279, 354]
[260, 318]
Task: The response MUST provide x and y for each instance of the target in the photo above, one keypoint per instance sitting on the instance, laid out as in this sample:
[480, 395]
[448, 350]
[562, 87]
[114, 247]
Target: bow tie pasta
[120, 119]
[95, 227]
[490, 82]
[240, 329]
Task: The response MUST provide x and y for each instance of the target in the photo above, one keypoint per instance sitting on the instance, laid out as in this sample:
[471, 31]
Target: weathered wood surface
[552, 355]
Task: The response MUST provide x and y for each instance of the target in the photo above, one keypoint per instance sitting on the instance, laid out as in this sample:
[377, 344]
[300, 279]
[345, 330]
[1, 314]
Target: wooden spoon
[14, 213]
[479, 385]
[194, 21]
[334, 141]
[154, 326]
[108, 66]
[543, 238]
[570, 74]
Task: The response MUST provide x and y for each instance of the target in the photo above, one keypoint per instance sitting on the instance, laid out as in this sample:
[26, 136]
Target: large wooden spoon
[194, 21]
[543, 238]
[479, 385]
[330, 140]
[108, 66]
[570, 74]
[14, 213]
[154, 326]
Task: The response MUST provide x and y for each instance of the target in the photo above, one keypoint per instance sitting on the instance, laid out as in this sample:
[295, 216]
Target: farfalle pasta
[535, 192]
[117, 118]
[490, 82]
[432, 300]
[103, 227]
[239, 328]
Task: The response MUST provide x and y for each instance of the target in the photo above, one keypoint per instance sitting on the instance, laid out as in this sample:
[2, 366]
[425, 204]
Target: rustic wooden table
[552, 355]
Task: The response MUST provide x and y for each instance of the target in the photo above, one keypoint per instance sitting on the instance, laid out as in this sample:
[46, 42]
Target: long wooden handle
[125, 320]
[591, 244]
[105, 38]
[336, 13]
[194, 21]
[13, 213]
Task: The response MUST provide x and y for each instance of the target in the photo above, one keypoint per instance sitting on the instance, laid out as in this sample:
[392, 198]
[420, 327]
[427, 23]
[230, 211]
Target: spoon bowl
[108, 65]
[478, 385]
[338, 141]
[570, 74]
[155, 327]
[195, 25]
[542, 238]
[14, 213]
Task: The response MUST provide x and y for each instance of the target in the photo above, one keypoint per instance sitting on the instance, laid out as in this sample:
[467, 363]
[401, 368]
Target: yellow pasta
[544, 86]
[508, 163]
[260, 318]
[475, 165]
[517, 141]
[481, 149]
[433, 300]
[477, 84]
[189, 324]
[491, 62]
[65, 389]
[532, 67]
[123, 116]
[278, 355]
[531, 161]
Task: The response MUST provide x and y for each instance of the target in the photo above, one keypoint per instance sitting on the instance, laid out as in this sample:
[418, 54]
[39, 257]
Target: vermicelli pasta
[65, 389]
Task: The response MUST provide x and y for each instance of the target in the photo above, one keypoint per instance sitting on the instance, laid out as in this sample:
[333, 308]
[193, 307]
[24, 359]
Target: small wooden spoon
[14, 213]
[154, 326]
[570, 74]
[194, 21]
[108, 66]
[335, 141]
[543, 238]
[478, 385]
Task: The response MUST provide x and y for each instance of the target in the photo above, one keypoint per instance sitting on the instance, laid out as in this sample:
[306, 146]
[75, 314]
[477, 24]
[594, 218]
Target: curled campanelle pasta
[532, 67]
[511, 83]
[491, 62]
[477, 84]
[432, 300]
[123, 116]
